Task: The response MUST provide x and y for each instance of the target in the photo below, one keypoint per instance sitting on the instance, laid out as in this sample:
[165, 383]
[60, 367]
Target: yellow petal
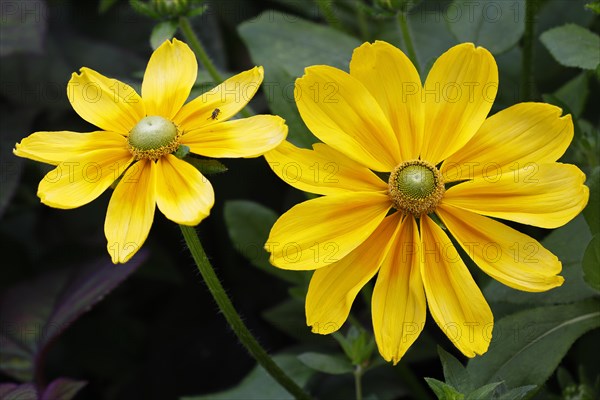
[182, 193]
[322, 170]
[399, 308]
[324, 230]
[131, 211]
[56, 147]
[544, 195]
[340, 111]
[503, 253]
[455, 301]
[247, 137]
[169, 77]
[81, 179]
[109, 104]
[458, 95]
[518, 136]
[395, 83]
[332, 289]
[228, 98]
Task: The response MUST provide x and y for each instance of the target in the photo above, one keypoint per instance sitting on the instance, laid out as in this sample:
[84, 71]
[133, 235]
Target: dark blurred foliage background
[159, 335]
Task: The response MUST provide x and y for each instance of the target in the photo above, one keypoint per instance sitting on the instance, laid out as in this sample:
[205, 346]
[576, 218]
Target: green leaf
[286, 44]
[574, 93]
[144, 8]
[484, 392]
[207, 166]
[594, 6]
[568, 243]
[289, 317]
[248, 224]
[443, 391]
[23, 27]
[455, 373]
[161, 32]
[279, 92]
[328, 363]
[527, 346]
[105, 5]
[573, 46]
[517, 393]
[358, 344]
[258, 384]
[591, 263]
[495, 25]
[592, 210]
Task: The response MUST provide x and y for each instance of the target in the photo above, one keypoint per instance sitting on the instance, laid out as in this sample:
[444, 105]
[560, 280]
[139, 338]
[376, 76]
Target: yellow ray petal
[56, 147]
[182, 193]
[109, 104]
[505, 254]
[455, 301]
[81, 179]
[247, 137]
[332, 289]
[169, 77]
[228, 98]
[131, 211]
[399, 308]
[395, 83]
[340, 111]
[322, 170]
[458, 95]
[512, 139]
[544, 195]
[322, 231]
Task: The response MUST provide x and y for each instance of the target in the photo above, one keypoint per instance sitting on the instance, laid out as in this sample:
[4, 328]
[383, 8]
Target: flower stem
[198, 48]
[527, 61]
[407, 38]
[358, 373]
[233, 318]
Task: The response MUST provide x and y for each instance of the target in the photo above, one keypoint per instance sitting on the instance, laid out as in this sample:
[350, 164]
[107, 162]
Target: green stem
[358, 372]
[410, 48]
[198, 48]
[527, 61]
[328, 14]
[233, 318]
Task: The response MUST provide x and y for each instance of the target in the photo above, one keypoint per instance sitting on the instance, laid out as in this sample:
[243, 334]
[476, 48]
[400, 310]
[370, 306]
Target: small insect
[214, 114]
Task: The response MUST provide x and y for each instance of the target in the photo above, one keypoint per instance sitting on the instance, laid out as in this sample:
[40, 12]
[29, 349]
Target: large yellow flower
[136, 140]
[441, 168]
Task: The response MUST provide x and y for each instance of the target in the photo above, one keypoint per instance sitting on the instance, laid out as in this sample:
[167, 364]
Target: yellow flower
[136, 140]
[442, 168]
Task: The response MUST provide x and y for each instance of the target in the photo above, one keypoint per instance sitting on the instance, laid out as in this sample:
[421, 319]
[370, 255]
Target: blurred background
[158, 333]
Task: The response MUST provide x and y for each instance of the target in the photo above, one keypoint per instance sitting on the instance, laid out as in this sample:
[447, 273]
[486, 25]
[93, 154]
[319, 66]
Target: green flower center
[153, 137]
[416, 187]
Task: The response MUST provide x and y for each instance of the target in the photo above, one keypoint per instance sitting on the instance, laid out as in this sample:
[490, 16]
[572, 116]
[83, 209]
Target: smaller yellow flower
[137, 137]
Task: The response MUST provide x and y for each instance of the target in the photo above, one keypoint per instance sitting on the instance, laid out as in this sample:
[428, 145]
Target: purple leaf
[62, 389]
[15, 359]
[88, 287]
[34, 314]
[11, 391]
[6, 388]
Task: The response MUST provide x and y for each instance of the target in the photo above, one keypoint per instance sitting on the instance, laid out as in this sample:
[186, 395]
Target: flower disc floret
[153, 137]
[416, 187]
